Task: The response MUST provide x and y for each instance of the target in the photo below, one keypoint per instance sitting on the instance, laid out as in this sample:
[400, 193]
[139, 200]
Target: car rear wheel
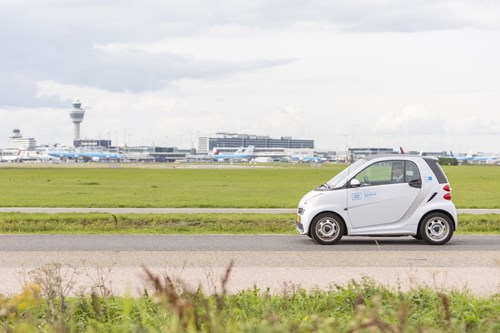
[436, 229]
[327, 229]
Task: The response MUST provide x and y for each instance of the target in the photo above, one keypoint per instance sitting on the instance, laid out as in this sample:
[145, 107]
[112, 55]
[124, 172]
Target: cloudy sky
[422, 74]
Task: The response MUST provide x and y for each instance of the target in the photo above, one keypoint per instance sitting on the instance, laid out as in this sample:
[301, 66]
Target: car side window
[411, 172]
[388, 172]
[377, 174]
[398, 173]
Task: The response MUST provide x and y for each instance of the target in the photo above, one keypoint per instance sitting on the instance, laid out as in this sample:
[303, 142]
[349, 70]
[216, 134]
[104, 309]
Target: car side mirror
[354, 183]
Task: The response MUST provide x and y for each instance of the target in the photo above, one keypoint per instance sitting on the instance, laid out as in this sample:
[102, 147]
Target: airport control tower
[76, 116]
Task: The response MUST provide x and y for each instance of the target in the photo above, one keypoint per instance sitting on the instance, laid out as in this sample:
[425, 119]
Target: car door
[387, 190]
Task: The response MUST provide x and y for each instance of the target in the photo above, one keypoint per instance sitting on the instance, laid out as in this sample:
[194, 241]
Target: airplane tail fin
[401, 150]
[239, 151]
[249, 150]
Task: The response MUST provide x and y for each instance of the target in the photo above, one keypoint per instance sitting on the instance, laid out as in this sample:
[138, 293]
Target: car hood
[309, 196]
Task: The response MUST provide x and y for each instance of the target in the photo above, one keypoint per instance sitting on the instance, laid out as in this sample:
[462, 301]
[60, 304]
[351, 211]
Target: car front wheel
[327, 229]
[436, 229]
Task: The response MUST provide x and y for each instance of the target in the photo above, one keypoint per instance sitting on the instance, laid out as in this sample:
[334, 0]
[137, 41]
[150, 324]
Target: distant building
[153, 154]
[92, 143]
[357, 153]
[16, 141]
[203, 146]
[234, 140]
[435, 153]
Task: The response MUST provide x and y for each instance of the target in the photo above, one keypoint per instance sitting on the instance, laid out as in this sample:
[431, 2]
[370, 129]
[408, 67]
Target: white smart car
[381, 195]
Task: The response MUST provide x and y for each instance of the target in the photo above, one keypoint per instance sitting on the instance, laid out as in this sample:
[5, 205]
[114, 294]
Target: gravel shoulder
[122, 272]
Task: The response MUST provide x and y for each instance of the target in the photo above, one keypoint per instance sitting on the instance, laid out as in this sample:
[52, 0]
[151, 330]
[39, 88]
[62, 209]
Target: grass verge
[98, 223]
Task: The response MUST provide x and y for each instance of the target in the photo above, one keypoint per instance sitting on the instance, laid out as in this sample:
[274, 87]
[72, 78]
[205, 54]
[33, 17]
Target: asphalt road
[234, 243]
[267, 261]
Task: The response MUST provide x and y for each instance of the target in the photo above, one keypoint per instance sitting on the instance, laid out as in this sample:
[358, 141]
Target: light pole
[347, 157]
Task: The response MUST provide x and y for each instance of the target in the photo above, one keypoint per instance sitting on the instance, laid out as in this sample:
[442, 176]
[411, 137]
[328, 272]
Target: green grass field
[272, 187]
[475, 186]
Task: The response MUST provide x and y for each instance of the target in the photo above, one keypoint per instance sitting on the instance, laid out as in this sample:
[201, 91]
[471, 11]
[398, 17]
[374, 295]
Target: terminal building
[234, 141]
[17, 141]
[152, 154]
[92, 143]
[357, 153]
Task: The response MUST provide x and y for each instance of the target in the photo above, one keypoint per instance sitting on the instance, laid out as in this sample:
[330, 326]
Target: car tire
[436, 229]
[327, 229]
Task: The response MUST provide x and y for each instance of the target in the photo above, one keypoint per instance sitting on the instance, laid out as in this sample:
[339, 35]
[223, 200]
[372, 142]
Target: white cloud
[160, 70]
[474, 125]
[411, 120]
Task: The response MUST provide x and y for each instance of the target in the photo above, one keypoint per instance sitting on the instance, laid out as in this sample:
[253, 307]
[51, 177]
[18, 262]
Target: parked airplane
[18, 155]
[470, 157]
[304, 158]
[240, 154]
[413, 152]
[7, 155]
[307, 159]
[86, 156]
[10, 156]
[98, 156]
[263, 159]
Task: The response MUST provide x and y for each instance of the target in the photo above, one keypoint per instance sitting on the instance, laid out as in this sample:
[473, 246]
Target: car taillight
[447, 188]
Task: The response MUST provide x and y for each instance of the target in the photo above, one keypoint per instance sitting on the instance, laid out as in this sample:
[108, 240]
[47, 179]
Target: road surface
[267, 261]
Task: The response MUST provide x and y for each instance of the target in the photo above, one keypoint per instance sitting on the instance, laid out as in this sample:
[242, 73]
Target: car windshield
[340, 179]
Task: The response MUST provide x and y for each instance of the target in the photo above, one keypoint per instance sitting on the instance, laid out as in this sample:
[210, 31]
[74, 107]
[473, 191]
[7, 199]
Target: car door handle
[417, 183]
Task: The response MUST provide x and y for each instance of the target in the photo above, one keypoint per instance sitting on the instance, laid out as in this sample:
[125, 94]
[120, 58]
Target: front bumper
[298, 224]
[298, 220]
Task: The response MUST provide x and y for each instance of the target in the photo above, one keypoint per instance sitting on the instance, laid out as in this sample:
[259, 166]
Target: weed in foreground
[56, 282]
[168, 305]
[190, 310]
